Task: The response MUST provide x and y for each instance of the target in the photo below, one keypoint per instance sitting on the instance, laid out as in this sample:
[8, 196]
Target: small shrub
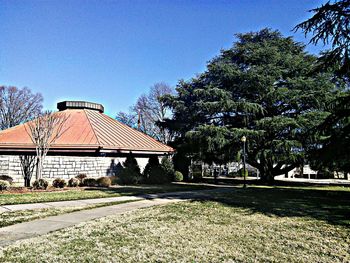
[197, 176]
[89, 181]
[73, 182]
[178, 176]
[168, 166]
[40, 184]
[6, 178]
[232, 174]
[114, 179]
[207, 173]
[153, 161]
[104, 182]
[4, 185]
[59, 183]
[242, 173]
[81, 177]
[129, 176]
[158, 176]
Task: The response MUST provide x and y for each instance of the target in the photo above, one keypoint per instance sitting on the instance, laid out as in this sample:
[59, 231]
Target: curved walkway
[13, 233]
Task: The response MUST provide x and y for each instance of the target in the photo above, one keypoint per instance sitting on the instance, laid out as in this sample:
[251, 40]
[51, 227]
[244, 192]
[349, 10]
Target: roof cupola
[64, 105]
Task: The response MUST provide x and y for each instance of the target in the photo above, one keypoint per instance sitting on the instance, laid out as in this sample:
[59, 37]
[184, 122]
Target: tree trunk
[214, 174]
[39, 168]
[266, 177]
[27, 165]
[27, 181]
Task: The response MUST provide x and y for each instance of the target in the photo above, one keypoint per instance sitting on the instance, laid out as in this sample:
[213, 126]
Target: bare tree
[43, 131]
[129, 119]
[150, 112]
[18, 105]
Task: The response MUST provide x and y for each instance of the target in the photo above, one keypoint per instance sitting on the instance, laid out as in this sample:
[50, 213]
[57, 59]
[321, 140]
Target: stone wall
[66, 166]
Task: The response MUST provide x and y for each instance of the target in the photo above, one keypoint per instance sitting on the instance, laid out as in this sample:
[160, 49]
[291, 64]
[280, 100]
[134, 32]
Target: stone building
[92, 143]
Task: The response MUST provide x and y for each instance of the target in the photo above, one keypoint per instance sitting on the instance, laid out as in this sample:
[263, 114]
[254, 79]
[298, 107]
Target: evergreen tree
[153, 162]
[168, 167]
[330, 24]
[264, 87]
[131, 164]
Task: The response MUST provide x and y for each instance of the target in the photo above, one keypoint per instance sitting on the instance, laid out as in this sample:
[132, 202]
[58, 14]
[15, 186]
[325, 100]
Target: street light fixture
[244, 139]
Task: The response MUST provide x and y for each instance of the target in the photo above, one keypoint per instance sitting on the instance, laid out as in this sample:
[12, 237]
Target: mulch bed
[23, 190]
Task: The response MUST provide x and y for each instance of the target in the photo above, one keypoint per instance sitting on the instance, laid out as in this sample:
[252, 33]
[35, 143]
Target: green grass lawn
[258, 224]
[75, 194]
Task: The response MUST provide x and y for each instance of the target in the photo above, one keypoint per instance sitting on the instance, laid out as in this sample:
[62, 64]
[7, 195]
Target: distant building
[93, 143]
[305, 172]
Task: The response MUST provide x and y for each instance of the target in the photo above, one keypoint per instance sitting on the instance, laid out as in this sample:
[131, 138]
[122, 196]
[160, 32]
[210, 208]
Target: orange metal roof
[87, 129]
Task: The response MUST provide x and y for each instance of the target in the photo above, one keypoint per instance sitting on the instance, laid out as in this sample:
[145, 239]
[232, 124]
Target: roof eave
[84, 148]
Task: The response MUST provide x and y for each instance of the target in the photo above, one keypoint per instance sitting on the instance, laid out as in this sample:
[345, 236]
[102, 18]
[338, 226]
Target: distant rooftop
[64, 105]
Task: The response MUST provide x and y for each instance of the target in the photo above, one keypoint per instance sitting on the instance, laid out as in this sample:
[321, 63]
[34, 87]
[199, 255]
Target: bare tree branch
[18, 106]
[152, 112]
[44, 131]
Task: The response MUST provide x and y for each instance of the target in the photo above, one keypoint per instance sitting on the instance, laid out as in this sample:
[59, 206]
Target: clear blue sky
[112, 51]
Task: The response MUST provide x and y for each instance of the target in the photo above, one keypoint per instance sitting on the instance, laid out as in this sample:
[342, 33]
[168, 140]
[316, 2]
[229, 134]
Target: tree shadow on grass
[331, 206]
[150, 189]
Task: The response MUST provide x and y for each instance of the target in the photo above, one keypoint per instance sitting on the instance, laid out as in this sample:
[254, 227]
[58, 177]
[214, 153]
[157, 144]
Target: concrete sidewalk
[13, 233]
[72, 203]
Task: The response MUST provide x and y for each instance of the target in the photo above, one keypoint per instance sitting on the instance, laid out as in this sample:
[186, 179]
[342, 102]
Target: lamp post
[244, 139]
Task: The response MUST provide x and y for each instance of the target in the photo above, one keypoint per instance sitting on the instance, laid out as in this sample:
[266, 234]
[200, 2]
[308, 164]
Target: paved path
[237, 180]
[11, 234]
[72, 203]
[334, 182]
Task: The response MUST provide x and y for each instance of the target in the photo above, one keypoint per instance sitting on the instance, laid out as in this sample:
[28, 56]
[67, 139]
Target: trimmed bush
[197, 176]
[243, 173]
[115, 179]
[158, 176]
[104, 181]
[40, 184]
[129, 176]
[73, 182]
[59, 183]
[168, 166]
[178, 177]
[232, 175]
[4, 185]
[119, 167]
[6, 178]
[153, 161]
[89, 181]
[131, 163]
[81, 177]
